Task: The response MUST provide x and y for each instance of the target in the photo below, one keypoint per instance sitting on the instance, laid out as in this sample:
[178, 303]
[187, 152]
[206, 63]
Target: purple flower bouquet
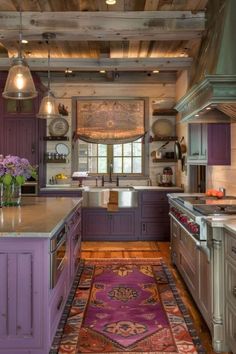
[14, 171]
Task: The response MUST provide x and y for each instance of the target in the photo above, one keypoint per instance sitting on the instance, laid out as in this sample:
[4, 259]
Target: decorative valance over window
[110, 121]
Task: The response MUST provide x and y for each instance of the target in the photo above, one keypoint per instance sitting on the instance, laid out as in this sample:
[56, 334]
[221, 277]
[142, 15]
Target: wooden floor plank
[151, 250]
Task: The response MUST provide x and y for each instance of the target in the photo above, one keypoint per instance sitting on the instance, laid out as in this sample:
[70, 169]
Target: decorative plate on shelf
[58, 127]
[162, 128]
[62, 149]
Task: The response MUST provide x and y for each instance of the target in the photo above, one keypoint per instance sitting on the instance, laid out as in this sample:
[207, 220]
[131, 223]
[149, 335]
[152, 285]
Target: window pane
[127, 165]
[102, 165]
[137, 149]
[83, 149]
[117, 150]
[83, 166]
[92, 149]
[93, 165]
[139, 140]
[102, 150]
[127, 149]
[137, 165]
[117, 165]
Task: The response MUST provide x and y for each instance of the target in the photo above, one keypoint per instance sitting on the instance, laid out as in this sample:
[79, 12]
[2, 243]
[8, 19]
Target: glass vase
[10, 195]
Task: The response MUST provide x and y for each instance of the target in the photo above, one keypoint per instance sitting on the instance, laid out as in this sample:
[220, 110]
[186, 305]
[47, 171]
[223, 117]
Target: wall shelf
[55, 160]
[164, 160]
[56, 138]
[159, 138]
[164, 112]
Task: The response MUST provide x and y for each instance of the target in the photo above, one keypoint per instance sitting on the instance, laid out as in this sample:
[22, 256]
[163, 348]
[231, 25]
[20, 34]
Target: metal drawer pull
[233, 249]
[234, 291]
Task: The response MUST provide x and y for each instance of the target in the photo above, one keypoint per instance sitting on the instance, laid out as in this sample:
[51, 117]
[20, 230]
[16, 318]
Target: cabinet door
[19, 301]
[195, 141]
[155, 231]
[14, 108]
[96, 224]
[204, 286]
[20, 139]
[219, 144]
[203, 142]
[123, 224]
[188, 261]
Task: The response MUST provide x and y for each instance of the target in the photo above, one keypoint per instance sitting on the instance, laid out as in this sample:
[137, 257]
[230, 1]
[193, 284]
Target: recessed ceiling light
[208, 108]
[102, 71]
[110, 2]
[196, 115]
[24, 41]
[155, 71]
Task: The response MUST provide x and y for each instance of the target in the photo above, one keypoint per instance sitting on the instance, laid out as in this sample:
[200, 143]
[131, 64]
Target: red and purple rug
[126, 306]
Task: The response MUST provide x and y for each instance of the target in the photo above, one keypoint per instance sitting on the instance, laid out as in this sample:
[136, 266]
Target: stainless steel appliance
[58, 255]
[191, 212]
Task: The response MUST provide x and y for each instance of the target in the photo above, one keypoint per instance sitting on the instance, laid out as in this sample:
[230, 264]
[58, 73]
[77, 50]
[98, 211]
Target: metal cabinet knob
[234, 291]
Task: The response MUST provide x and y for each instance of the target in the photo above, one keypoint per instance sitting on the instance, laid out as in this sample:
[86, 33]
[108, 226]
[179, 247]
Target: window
[122, 158]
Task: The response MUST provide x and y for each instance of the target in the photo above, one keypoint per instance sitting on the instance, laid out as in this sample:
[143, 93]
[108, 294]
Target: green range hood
[212, 97]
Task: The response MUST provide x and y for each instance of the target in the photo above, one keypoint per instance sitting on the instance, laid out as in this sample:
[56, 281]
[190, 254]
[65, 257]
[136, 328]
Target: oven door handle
[62, 240]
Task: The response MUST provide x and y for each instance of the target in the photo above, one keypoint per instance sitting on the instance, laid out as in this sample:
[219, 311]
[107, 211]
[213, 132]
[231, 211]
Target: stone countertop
[231, 226]
[156, 188]
[36, 217]
[62, 187]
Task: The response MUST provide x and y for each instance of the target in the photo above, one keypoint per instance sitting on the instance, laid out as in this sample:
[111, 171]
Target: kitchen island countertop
[36, 217]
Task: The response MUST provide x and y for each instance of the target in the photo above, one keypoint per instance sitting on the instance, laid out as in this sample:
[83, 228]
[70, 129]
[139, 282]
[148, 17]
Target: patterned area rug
[126, 306]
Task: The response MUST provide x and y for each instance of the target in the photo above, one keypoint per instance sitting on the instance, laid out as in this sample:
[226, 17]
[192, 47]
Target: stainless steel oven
[58, 255]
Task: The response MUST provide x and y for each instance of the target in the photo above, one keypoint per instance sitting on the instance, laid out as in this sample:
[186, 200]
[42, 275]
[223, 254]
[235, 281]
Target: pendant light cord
[20, 33]
[49, 76]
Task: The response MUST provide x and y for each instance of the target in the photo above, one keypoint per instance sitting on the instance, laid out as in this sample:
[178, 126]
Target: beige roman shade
[110, 121]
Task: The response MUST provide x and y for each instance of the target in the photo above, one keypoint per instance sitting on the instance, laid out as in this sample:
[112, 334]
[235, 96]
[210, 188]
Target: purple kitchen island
[39, 255]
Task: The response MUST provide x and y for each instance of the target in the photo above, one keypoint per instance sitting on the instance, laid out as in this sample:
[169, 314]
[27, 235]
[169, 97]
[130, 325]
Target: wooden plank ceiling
[154, 34]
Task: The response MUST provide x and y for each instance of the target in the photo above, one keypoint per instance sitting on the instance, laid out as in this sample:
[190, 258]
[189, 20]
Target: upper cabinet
[21, 132]
[13, 108]
[209, 143]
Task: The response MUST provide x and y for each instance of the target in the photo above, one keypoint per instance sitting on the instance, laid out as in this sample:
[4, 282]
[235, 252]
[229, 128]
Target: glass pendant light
[48, 107]
[19, 84]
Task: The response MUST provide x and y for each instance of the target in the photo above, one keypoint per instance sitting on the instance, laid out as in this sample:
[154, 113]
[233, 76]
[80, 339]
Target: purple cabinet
[30, 310]
[219, 144]
[154, 209]
[209, 143]
[100, 225]
[22, 295]
[21, 132]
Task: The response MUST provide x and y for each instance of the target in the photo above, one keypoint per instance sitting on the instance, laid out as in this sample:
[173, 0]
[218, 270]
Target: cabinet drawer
[230, 247]
[187, 270]
[57, 303]
[231, 328]
[155, 211]
[231, 283]
[151, 196]
[75, 220]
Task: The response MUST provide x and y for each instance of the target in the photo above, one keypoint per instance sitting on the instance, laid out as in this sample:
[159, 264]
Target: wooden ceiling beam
[104, 25]
[90, 64]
